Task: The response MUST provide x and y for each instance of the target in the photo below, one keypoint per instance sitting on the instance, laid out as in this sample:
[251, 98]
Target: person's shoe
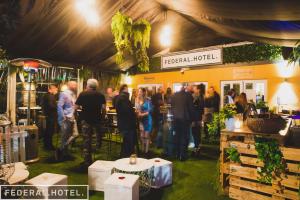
[191, 145]
[68, 157]
[84, 166]
[49, 147]
[58, 155]
[198, 151]
[193, 154]
[183, 158]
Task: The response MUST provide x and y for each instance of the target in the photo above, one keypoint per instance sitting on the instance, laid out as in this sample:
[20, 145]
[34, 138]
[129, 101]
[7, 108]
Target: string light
[165, 36]
[87, 9]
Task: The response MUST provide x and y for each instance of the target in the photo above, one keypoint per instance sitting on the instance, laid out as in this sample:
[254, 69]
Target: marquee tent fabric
[52, 29]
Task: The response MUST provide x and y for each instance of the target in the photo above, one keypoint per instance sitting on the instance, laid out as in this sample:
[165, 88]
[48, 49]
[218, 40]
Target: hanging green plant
[4, 62]
[131, 39]
[233, 155]
[3, 58]
[85, 74]
[269, 152]
[121, 28]
[295, 55]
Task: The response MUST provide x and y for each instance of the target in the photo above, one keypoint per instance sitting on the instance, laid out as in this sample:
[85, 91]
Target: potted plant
[228, 112]
[223, 119]
[262, 107]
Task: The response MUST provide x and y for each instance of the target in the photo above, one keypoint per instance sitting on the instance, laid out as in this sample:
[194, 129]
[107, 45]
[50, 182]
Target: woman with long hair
[144, 109]
[241, 103]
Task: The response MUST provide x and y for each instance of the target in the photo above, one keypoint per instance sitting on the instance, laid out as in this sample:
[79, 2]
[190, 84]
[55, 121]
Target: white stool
[46, 180]
[162, 173]
[121, 187]
[98, 172]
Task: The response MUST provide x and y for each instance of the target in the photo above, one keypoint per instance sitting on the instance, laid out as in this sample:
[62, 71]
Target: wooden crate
[240, 180]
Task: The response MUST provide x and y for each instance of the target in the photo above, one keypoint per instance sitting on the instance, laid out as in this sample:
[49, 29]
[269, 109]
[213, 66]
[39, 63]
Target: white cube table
[121, 186]
[46, 180]
[162, 173]
[98, 172]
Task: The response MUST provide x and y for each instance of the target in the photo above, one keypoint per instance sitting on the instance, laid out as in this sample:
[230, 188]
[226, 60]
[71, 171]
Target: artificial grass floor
[192, 179]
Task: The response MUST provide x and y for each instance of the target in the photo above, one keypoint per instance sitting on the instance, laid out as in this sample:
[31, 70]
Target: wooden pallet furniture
[240, 180]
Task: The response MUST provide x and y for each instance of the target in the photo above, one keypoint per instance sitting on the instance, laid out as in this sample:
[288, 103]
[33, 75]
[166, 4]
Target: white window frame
[243, 86]
[193, 83]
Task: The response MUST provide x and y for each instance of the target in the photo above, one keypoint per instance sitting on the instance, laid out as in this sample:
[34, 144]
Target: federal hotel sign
[211, 56]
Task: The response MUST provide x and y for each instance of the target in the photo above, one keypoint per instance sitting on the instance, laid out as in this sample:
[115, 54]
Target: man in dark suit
[49, 108]
[157, 101]
[126, 121]
[183, 111]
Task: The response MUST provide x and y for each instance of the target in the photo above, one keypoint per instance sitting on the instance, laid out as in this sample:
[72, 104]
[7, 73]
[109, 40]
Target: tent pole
[11, 95]
[29, 99]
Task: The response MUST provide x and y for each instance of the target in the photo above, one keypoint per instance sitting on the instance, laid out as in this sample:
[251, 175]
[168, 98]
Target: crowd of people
[140, 120]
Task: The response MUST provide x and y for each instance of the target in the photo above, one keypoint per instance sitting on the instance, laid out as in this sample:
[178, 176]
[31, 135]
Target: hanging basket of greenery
[131, 39]
[295, 55]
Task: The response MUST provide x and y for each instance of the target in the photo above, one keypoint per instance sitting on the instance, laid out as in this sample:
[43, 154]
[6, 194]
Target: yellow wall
[275, 74]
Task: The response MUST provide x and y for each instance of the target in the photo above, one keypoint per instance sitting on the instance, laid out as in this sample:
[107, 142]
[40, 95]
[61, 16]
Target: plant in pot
[262, 107]
[222, 119]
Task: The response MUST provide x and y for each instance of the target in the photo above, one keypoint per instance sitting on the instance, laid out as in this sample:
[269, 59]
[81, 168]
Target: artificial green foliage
[215, 125]
[131, 38]
[217, 184]
[4, 62]
[233, 155]
[3, 58]
[270, 154]
[261, 105]
[141, 30]
[85, 73]
[251, 53]
[295, 55]
[3, 54]
[121, 27]
[218, 120]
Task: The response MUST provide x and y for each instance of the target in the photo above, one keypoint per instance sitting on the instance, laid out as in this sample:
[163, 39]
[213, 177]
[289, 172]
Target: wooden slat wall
[243, 177]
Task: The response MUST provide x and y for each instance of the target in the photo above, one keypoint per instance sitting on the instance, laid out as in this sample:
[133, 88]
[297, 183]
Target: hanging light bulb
[87, 9]
[165, 36]
[128, 80]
